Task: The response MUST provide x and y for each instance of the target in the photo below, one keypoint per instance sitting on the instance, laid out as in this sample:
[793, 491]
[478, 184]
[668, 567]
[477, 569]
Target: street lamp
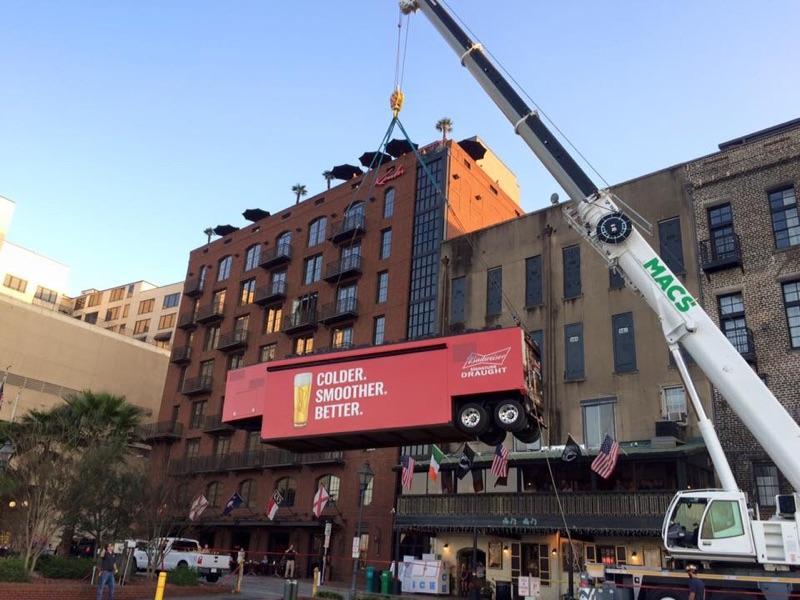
[6, 452]
[365, 474]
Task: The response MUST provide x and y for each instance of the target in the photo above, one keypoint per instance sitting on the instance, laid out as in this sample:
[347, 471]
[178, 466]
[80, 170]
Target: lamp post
[365, 474]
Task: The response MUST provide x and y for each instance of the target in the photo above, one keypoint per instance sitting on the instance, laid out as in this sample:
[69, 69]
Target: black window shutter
[494, 291]
[533, 281]
[615, 280]
[572, 271]
[671, 244]
[573, 344]
[624, 343]
[458, 292]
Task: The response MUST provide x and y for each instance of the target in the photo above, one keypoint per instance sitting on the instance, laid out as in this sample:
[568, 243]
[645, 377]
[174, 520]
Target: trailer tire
[212, 577]
[493, 436]
[182, 563]
[529, 435]
[473, 418]
[664, 596]
[509, 415]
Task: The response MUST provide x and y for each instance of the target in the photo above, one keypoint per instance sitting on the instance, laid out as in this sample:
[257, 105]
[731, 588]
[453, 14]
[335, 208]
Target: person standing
[697, 589]
[108, 568]
[289, 556]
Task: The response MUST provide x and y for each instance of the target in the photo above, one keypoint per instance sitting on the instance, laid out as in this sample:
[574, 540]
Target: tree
[300, 190]
[156, 517]
[445, 125]
[328, 175]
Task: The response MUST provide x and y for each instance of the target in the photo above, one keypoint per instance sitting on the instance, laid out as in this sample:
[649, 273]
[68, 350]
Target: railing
[342, 308]
[213, 423]
[162, 429]
[181, 354]
[210, 312]
[197, 385]
[299, 320]
[311, 458]
[194, 286]
[274, 256]
[270, 292]
[720, 253]
[348, 227]
[347, 265]
[742, 340]
[255, 459]
[187, 321]
[232, 339]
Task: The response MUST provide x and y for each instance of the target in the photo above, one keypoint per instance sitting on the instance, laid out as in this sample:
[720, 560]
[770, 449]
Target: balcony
[270, 294]
[742, 340]
[187, 321]
[536, 511]
[255, 459]
[232, 340]
[299, 321]
[181, 355]
[344, 268]
[348, 228]
[321, 458]
[194, 287]
[214, 424]
[164, 430]
[720, 253]
[211, 312]
[341, 310]
[275, 257]
[197, 385]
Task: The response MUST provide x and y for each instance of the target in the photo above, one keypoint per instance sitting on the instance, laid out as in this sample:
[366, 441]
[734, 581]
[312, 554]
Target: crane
[712, 525]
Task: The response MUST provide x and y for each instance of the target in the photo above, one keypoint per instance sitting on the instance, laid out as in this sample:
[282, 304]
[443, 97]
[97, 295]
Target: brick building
[745, 205]
[357, 264]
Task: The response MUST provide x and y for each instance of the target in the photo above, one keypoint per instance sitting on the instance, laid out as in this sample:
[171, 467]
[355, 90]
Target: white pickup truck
[172, 553]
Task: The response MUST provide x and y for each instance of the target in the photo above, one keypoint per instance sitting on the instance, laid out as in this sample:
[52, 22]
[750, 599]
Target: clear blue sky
[129, 127]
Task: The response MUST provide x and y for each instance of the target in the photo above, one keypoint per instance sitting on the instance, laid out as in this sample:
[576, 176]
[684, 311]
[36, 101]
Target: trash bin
[502, 590]
[290, 589]
[386, 582]
[371, 580]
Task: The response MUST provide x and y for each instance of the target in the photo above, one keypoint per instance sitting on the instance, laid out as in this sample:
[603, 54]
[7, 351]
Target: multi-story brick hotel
[355, 265]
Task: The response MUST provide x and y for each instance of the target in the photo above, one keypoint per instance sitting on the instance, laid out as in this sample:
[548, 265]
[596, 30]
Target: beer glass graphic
[302, 396]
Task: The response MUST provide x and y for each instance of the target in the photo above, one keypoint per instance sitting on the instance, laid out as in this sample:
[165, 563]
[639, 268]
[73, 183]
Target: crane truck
[714, 527]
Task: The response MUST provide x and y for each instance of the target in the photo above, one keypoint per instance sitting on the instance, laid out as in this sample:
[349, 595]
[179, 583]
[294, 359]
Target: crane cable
[397, 96]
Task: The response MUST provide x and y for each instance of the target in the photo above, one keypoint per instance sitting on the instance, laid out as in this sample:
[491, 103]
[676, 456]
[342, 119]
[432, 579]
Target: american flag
[500, 461]
[605, 462]
[408, 471]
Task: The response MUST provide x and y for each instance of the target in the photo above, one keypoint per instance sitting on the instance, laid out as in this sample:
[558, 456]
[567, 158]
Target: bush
[183, 576]
[60, 567]
[12, 569]
[329, 594]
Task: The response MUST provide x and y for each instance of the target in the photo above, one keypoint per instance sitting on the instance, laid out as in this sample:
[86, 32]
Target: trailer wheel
[665, 596]
[183, 563]
[472, 418]
[529, 435]
[510, 415]
[212, 577]
[493, 436]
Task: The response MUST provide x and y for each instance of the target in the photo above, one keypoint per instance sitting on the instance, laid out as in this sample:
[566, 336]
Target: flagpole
[16, 399]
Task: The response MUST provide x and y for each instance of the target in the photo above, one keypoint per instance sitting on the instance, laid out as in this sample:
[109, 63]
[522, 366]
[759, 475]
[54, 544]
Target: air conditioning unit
[673, 429]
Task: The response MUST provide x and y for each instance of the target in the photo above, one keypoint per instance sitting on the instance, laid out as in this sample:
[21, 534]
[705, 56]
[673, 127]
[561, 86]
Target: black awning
[162, 335]
[346, 172]
[255, 214]
[398, 147]
[223, 230]
[473, 147]
[374, 158]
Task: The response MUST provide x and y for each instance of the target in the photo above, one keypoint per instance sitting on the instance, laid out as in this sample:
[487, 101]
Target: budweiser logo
[493, 359]
[392, 173]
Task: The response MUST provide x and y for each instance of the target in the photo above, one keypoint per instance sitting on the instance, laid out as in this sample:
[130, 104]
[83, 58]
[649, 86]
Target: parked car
[172, 553]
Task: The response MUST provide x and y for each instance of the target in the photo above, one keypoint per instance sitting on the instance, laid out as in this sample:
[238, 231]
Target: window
[192, 448]
[283, 244]
[222, 446]
[791, 303]
[272, 323]
[367, 495]
[342, 337]
[312, 269]
[167, 321]
[383, 287]
[117, 294]
[267, 352]
[673, 403]
[767, 485]
[252, 257]
[388, 203]
[142, 326]
[198, 412]
[15, 283]
[536, 561]
[316, 231]
[733, 323]
[346, 298]
[235, 361]
[112, 314]
[95, 299]
[146, 306]
[571, 257]
[458, 291]
[670, 244]
[598, 421]
[126, 311]
[304, 308]
[207, 369]
[218, 300]
[212, 338]
[720, 227]
[224, 268]
[354, 214]
[79, 303]
[386, 244]
[331, 483]
[122, 327]
[171, 300]
[92, 318]
[247, 292]
[573, 350]
[785, 221]
[202, 276]
[378, 330]
[304, 345]
[351, 257]
[46, 295]
[615, 280]
[723, 520]
[253, 441]
[533, 281]
[163, 344]
[287, 486]
[246, 492]
[624, 343]
[212, 494]
[494, 291]
[278, 282]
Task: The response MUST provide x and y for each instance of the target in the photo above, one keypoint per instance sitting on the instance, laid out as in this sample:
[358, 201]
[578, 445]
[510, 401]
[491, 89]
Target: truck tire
[212, 577]
[473, 418]
[182, 563]
[529, 435]
[509, 415]
[493, 436]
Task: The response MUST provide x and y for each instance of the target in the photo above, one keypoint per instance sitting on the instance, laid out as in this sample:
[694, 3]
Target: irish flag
[437, 456]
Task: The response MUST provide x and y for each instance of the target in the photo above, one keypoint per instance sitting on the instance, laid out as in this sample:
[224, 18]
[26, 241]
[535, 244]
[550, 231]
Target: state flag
[274, 504]
[321, 499]
[199, 504]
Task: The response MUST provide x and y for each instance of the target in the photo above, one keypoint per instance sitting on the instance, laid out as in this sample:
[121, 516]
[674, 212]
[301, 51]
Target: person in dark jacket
[697, 589]
[108, 568]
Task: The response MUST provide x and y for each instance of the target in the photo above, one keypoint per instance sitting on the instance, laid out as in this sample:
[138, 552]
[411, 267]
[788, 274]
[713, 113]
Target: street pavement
[260, 587]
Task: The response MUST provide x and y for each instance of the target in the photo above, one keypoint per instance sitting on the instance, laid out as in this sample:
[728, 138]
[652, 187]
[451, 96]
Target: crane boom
[596, 216]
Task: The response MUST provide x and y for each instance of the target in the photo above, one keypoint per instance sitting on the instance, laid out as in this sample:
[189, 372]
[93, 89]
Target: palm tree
[445, 125]
[300, 190]
[328, 175]
[100, 415]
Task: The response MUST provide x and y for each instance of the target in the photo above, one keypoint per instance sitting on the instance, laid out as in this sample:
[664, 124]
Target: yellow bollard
[162, 583]
[315, 583]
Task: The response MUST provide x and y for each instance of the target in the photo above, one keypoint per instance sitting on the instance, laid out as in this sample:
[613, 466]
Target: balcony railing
[232, 340]
[273, 257]
[345, 267]
[163, 430]
[255, 459]
[197, 385]
[181, 354]
[720, 253]
[321, 458]
[301, 320]
[211, 312]
[214, 424]
[187, 321]
[270, 293]
[742, 340]
[348, 228]
[194, 287]
[342, 309]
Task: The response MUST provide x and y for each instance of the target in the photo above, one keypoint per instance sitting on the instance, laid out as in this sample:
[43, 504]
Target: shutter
[573, 350]
[671, 244]
[572, 271]
[494, 291]
[544, 564]
[538, 337]
[515, 564]
[615, 280]
[624, 343]
[533, 281]
[457, 290]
